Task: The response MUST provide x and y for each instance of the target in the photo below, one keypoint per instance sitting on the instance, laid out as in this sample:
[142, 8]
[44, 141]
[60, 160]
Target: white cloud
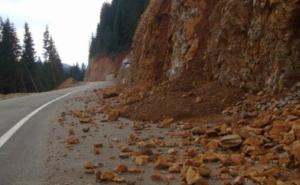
[71, 23]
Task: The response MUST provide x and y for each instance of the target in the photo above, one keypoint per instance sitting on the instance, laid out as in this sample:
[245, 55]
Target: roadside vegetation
[21, 71]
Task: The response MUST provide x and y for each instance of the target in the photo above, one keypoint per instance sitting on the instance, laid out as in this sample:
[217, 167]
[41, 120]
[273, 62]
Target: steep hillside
[223, 76]
[252, 45]
[99, 68]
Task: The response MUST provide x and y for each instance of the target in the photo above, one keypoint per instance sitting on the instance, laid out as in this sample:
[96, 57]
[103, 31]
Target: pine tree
[75, 72]
[28, 62]
[83, 70]
[118, 22]
[46, 44]
[56, 65]
[1, 26]
[53, 68]
[9, 55]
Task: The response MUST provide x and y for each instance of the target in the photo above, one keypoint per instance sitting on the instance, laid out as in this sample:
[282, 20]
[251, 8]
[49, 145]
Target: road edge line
[5, 137]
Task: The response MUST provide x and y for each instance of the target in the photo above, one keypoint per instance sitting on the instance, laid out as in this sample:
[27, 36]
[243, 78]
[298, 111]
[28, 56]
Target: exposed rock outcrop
[100, 68]
[251, 44]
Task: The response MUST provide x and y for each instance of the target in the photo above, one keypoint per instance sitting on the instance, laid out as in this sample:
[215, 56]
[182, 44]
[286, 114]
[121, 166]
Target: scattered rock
[239, 180]
[141, 159]
[98, 145]
[89, 165]
[109, 93]
[295, 150]
[89, 171]
[121, 168]
[204, 171]
[85, 129]
[162, 164]
[172, 151]
[156, 176]
[166, 123]
[145, 150]
[72, 140]
[262, 122]
[174, 168]
[198, 99]
[192, 176]
[279, 129]
[134, 170]
[85, 120]
[96, 151]
[198, 131]
[231, 141]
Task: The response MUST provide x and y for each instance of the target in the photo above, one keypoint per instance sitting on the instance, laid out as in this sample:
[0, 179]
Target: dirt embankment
[99, 68]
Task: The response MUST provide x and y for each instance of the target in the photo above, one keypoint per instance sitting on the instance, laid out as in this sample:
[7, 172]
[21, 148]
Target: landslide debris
[255, 140]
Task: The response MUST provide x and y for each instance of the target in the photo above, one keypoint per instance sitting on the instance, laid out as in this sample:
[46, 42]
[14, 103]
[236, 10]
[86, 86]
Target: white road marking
[4, 138]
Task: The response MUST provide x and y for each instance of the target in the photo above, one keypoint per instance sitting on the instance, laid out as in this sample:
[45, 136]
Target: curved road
[23, 133]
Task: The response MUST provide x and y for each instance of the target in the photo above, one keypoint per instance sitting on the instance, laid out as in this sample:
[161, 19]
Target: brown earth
[98, 68]
[160, 102]
[252, 141]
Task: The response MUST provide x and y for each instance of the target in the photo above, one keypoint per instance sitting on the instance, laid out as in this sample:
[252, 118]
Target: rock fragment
[231, 141]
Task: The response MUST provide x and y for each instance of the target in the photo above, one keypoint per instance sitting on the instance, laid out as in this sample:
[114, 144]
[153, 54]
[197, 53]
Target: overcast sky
[71, 23]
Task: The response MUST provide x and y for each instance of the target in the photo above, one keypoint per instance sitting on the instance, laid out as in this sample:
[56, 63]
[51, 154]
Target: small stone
[98, 145]
[134, 170]
[85, 120]
[124, 155]
[89, 165]
[239, 180]
[198, 99]
[192, 176]
[172, 151]
[198, 131]
[71, 132]
[174, 168]
[145, 150]
[279, 129]
[85, 130]
[106, 176]
[96, 151]
[156, 176]
[231, 141]
[166, 123]
[295, 150]
[262, 122]
[89, 171]
[118, 179]
[204, 171]
[162, 164]
[121, 168]
[141, 159]
[109, 93]
[72, 140]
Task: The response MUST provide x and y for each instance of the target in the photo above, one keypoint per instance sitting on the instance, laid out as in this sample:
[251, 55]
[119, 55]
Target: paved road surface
[22, 157]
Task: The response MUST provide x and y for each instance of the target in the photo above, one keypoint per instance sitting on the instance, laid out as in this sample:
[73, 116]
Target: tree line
[118, 22]
[20, 68]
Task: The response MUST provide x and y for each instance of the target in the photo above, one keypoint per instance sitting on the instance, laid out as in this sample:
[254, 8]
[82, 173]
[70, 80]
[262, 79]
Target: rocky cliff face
[99, 68]
[250, 44]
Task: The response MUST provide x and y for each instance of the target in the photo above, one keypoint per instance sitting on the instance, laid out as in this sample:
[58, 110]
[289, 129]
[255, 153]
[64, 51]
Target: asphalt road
[23, 150]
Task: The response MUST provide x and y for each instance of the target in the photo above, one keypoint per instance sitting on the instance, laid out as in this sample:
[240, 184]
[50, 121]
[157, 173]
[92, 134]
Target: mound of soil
[155, 104]
[209, 99]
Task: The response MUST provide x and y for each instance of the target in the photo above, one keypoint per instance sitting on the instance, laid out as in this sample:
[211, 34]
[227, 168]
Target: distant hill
[66, 67]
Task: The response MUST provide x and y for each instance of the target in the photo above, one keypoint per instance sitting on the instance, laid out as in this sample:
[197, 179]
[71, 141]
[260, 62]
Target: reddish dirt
[165, 101]
[100, 67]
